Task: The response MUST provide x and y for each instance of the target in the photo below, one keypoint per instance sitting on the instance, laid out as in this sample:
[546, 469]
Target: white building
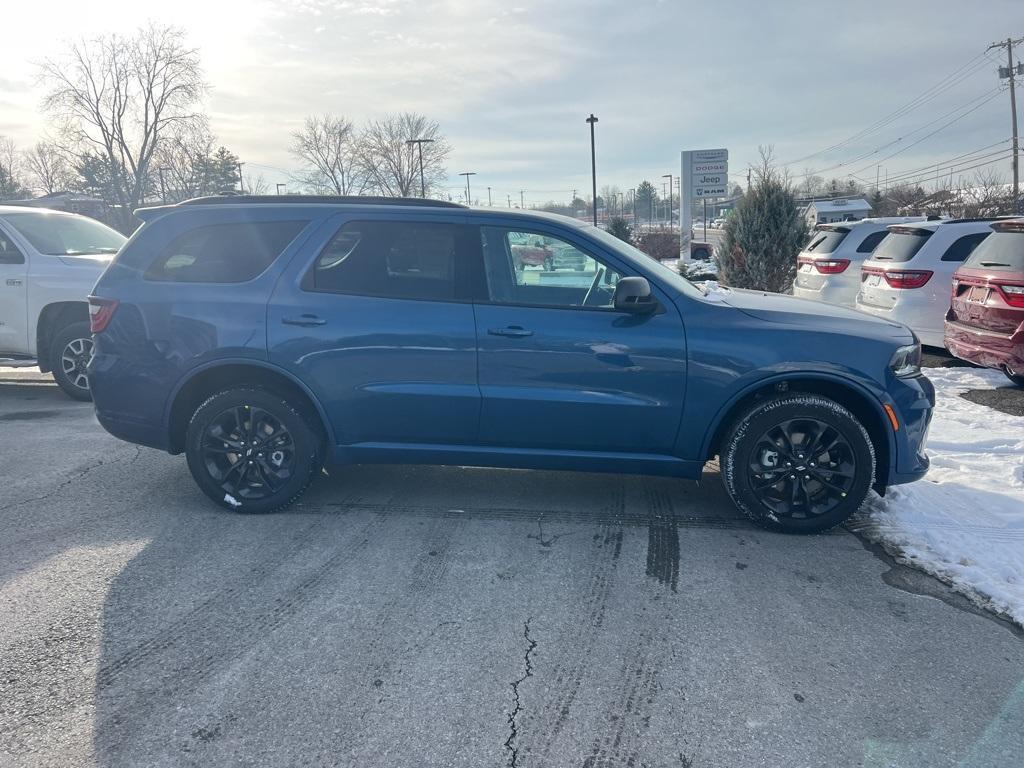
[840, 209]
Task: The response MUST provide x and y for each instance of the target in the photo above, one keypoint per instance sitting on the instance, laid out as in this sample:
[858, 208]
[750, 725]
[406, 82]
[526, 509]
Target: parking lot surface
[418, 616]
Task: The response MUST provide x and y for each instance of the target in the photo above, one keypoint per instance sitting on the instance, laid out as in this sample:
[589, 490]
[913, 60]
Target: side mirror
[633, 295]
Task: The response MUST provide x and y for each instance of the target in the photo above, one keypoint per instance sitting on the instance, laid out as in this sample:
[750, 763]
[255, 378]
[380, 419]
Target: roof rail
[319, 200]
[975, 219]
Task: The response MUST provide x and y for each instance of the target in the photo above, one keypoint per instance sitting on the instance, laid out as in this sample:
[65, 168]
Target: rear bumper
[137, 432]
[831, 292]
[989, 349]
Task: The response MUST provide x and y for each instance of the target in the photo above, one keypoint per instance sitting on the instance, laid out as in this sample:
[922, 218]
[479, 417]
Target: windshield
[825, 240]
[57, 234]
[634, 254]
[901, 246]
[1000, 251]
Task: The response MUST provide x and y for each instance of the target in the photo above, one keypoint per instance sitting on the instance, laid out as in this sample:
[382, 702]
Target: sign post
[704, 174]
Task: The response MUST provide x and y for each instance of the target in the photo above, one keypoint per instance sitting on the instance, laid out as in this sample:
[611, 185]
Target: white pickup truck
[49, 262]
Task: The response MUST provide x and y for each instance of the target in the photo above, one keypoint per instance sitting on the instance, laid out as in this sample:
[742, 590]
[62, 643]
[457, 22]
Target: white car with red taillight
[909, 276]
[828, 268]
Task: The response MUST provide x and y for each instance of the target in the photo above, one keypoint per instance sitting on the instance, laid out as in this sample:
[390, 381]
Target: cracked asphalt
[417, 616]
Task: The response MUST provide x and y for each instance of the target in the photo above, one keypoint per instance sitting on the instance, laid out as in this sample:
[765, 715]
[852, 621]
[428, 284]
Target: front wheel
[70, 352]
[798, 463]
[251, 451]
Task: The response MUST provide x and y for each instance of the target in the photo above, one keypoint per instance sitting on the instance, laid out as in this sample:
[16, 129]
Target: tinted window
[963, 247]
[826, 240]
[1000, 251]
[61, 235]
[404, 260]
[539, 269]
[224, 253]
[901, 246]
[871, 241]
[9, 252]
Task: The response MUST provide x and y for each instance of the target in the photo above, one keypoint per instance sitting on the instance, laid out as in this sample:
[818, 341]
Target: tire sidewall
[307, 448]
[67, 334]
[757, 420]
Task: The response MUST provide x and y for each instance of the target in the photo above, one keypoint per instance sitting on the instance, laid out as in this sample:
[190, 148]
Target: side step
[18, 362]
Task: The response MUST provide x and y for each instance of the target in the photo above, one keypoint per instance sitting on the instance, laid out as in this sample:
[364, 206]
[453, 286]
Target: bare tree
[392, 165]
[182, 162]
[48, 169]
[327, 144]
[11, 184]
[118, 96]
[986, 195]
[256, 185]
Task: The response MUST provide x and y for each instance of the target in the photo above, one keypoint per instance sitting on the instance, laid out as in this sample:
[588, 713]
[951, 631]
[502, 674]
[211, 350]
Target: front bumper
[913, 402]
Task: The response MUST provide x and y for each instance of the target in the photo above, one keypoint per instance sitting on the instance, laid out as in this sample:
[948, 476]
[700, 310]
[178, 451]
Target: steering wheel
[593, 286]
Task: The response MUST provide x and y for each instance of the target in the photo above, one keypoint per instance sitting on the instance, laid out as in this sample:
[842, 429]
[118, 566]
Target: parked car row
[957, 283]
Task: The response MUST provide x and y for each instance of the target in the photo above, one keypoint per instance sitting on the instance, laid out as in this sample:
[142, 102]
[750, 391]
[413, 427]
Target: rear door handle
[514, 331]
[306, 321]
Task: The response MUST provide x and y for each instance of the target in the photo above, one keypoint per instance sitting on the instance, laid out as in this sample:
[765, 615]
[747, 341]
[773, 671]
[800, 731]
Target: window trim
[585, 249]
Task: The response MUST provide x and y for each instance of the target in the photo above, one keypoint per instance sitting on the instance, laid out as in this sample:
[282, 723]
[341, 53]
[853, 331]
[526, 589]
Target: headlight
[906, 361]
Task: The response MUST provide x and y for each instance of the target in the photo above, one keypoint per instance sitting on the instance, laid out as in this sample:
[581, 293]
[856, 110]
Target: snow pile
[963, 523]
[698, 269]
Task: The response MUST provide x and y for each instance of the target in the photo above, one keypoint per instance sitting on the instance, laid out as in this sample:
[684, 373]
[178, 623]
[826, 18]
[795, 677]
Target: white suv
[49, 262]
[828, 268]
[909, 276]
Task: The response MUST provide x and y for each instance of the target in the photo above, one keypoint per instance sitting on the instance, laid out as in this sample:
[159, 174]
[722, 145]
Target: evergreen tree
[763, 234]
[646, 200]
[619, 227]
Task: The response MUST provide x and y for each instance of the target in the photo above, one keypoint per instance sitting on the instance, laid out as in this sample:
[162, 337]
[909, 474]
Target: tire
[829, 485]
[70, 350]
[260, 485]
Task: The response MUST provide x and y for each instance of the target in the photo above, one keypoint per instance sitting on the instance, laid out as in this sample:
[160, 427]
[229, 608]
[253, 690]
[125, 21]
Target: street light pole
[467, 174]
[488, 197]
[593, 166]
[522, 203]
[419, 143]
[668, 213]
[279, 185]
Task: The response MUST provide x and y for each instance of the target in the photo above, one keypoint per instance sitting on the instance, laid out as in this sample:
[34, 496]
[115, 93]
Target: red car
[985, 322]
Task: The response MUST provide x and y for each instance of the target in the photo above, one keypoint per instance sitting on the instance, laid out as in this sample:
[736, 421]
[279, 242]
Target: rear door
[559, 368]
[13, 295]
[376, 318]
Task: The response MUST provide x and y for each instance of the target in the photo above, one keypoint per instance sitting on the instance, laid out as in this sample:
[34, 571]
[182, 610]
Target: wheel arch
[852, 396]
[52, 318]
[213, 377]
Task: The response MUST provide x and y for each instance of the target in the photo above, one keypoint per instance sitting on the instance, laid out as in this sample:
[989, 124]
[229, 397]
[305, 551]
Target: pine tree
[763, 235]
[619, 227]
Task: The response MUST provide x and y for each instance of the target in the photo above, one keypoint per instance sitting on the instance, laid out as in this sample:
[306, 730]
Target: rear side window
[391, 259]
[871, 241]
[826, 240]
[901, 246]
[1000, 251]
[964, 247]
[224, 253]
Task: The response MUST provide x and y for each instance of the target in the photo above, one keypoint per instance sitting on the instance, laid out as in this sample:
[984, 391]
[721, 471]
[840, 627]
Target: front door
[559, 368]
[377, 326]
[13, 296]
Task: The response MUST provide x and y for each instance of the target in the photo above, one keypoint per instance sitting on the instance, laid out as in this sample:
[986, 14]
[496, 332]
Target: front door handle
[515, 331]
[306, 321]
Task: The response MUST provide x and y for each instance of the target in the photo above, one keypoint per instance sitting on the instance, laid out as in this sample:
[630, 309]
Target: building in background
[840, 209]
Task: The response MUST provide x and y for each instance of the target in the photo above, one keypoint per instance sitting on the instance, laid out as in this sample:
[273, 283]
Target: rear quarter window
[224, 253]
[964, 246]
[869, 243]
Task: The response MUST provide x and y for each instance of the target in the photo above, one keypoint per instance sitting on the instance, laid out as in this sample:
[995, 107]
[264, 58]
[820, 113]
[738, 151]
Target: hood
[789, 310]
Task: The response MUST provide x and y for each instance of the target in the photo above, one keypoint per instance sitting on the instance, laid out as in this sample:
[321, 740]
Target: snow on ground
[963, 523]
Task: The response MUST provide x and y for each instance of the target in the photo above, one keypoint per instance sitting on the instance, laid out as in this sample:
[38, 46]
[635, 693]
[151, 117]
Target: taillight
[100, 312]
[827, 266]
[1013, 294]
[906, 278]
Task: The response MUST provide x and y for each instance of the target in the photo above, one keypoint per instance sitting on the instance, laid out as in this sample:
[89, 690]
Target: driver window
[534, 268]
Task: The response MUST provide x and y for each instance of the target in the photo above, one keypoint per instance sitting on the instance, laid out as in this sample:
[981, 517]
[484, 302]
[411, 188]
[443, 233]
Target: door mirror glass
[633, 295]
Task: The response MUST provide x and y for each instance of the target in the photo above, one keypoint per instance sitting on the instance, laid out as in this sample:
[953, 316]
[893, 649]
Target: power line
[924, 170]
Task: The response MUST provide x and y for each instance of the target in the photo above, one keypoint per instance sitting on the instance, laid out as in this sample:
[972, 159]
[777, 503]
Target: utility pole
[419, 143]
[1010, 73]
[668, 212]
[593, 166]
[488, 197]
[509, 201]
[467, 174]
[241, 183]
[522, 204]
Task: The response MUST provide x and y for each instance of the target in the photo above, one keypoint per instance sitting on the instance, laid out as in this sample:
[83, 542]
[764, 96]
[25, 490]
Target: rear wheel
[798, 463]
[251, 451]
[70, 351]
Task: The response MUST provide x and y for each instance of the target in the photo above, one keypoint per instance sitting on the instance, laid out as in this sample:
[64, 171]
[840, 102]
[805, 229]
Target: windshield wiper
[993, 264]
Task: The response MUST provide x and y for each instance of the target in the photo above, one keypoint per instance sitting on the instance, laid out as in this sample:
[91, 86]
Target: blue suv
[265, 337]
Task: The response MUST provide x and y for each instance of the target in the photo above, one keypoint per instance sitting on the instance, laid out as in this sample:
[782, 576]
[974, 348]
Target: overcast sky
[511, 83]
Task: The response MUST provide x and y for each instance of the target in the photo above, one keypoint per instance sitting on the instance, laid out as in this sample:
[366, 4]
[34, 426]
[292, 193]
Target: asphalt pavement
[418, 616]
